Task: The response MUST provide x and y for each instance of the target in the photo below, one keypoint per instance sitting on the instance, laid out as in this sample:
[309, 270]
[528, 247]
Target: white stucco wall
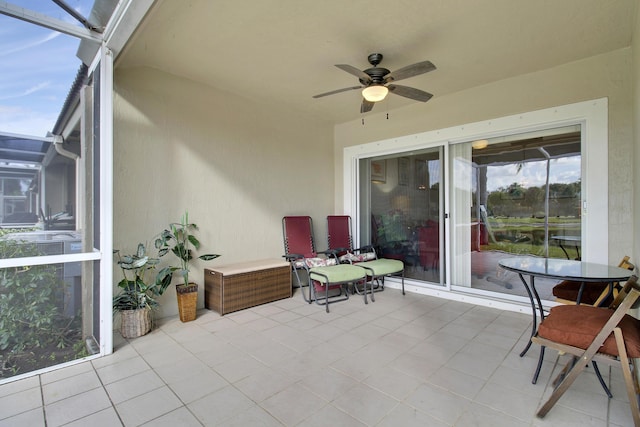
[608, 75]
[636, 121]
[237, 166]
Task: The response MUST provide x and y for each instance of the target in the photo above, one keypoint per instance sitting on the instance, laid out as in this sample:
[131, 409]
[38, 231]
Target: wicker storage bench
[239, 286]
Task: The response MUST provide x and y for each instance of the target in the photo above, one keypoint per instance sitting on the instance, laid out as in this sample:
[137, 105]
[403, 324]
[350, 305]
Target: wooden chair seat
[567, 292]
[578, 326]
[597, 294]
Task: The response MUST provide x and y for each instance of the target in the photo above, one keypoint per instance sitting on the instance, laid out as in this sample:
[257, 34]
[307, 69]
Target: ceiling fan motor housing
[376, 73]
[377, 76]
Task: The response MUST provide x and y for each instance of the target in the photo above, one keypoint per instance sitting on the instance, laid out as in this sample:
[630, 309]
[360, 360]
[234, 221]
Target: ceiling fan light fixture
[375, 93]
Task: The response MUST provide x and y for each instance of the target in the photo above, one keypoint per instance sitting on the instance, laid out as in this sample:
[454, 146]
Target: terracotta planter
[187, 301]
[135, 323]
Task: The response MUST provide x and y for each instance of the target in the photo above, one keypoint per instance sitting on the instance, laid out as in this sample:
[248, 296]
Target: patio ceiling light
[479, 144]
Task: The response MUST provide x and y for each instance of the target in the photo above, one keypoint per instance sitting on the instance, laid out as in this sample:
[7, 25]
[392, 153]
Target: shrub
[31, 306]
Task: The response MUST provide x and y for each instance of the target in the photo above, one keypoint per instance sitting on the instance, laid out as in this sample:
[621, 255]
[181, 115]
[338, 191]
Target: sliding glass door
[519, 194]
[401, 210]
[514, 195]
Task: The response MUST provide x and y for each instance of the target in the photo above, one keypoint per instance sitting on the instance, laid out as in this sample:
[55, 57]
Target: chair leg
[301, 287]
[364, 287]
[628, 380]
[326, 296]
[562, 387]
[540, 360]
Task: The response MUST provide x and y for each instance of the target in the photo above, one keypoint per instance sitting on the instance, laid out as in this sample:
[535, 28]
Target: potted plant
[138, 290]
[179, 240]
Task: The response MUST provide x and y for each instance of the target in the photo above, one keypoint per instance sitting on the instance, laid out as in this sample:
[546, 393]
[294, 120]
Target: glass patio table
[561, 269]
[573, 240]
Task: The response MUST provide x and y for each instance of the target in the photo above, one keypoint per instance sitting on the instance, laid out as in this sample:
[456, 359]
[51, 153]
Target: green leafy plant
[138, 286]
[179, 239]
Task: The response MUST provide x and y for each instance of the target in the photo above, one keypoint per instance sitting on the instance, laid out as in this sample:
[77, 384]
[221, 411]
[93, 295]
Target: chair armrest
[330, 253]
[292, 257]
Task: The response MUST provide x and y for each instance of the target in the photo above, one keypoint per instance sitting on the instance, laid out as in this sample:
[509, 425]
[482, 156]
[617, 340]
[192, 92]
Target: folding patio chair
[340, 241]
[596, 294]
[429, 245]
[325, 275]
[606, 335]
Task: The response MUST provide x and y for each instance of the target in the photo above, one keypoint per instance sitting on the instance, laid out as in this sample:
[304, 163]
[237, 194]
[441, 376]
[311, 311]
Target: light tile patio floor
[409, 360]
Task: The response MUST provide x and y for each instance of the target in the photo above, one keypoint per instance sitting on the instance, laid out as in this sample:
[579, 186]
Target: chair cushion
[359, 257]
[341, 273]
[319, 262]
[578, 325]
[382, 266]
[568, 290]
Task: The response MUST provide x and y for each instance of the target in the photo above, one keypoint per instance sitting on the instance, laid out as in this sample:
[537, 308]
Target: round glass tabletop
[581, 271]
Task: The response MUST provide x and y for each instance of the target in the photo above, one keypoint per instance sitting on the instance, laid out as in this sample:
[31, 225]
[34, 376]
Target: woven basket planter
[187, 301]
[135, 323]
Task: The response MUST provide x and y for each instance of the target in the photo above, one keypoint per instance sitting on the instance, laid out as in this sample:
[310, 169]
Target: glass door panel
[401, 210]
[516, 195]
[49, 255]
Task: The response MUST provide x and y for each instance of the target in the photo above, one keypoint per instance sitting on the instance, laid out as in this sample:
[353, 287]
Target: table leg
[534, 298]
[580, 292]
[533, 311]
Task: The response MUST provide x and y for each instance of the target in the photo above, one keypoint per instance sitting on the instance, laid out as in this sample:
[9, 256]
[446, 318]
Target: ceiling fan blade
[358, 73]
[410, 71]
[337, 91]
[410, 92]
[366, 106]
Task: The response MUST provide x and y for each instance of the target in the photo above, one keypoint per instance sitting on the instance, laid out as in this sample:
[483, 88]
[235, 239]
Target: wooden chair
[596, 294]
[606, 335]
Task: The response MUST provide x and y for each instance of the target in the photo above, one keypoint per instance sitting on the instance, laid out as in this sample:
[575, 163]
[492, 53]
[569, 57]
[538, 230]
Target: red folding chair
[325, 275]
[429, 245]
[340, 240]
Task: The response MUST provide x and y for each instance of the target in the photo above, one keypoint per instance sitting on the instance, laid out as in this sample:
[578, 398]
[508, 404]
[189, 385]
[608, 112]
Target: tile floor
[406, 360]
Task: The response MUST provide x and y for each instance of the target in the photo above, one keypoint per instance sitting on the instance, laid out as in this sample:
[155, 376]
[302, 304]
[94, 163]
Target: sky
[534, 174]
[37, 68]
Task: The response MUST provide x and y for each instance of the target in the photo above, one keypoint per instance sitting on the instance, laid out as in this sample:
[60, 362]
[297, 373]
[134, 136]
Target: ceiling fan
[376, 82]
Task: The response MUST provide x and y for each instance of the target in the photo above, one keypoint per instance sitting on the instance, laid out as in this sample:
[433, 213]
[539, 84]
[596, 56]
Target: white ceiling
[285, 50]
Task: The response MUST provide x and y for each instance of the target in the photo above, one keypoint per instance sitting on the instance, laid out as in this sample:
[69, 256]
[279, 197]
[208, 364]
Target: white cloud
[534, 174]
[28, 44]
[31, 90]
[25, 122]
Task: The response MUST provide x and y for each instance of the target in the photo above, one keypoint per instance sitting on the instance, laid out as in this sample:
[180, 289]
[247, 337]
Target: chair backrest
[631, 284]
[428, 243]
[626, 264]
[298, 236]
[616, 289]
[339, 232]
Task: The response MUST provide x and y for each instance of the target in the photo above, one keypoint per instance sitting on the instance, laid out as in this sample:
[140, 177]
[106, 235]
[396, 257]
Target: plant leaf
[141, 250]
